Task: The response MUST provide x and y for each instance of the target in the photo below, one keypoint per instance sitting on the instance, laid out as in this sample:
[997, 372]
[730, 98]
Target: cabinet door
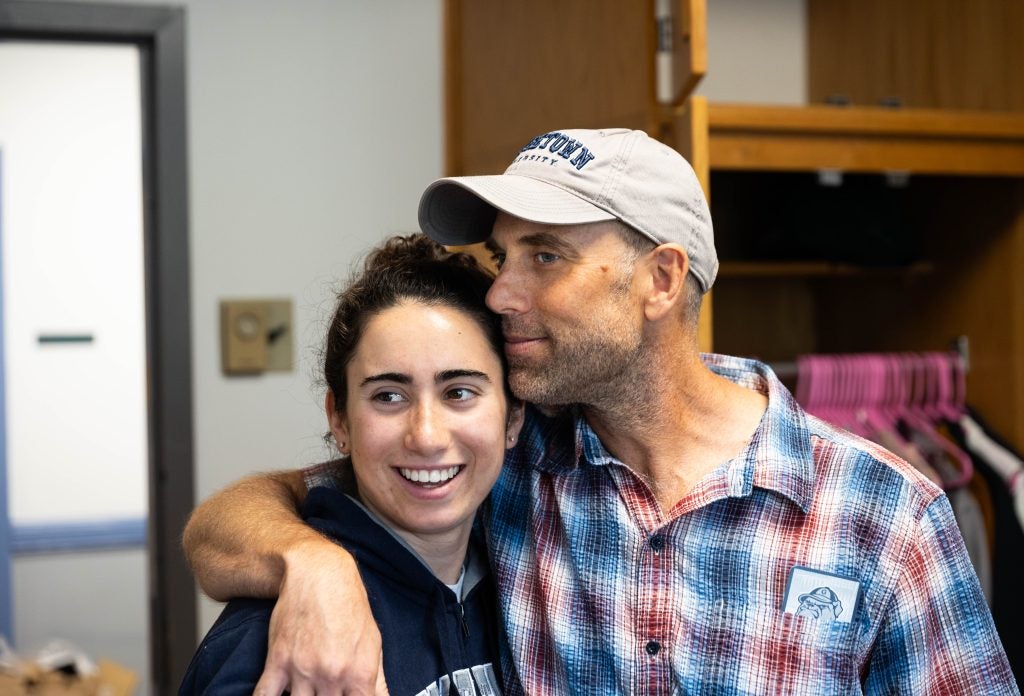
[518, 69]
[940, 54]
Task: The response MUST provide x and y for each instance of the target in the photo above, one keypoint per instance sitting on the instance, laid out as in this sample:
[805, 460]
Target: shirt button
[657, 543]
[653, 647]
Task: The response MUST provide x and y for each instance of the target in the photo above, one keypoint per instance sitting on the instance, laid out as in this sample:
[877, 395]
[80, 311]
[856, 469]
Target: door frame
[159, 31]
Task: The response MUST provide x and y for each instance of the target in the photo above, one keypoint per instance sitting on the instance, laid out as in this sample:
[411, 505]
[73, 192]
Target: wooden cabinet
[921, 241]
[518, 69]
[932, 54]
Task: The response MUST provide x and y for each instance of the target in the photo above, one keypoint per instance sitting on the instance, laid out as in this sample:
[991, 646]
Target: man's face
[572, 314]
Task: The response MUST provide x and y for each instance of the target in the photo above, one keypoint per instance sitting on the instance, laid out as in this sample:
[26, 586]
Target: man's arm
[937, 635]
[237, 539]
[248, 541]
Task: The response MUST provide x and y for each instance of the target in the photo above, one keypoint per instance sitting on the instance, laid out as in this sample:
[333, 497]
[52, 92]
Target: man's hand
[249, 541]
[323, 638]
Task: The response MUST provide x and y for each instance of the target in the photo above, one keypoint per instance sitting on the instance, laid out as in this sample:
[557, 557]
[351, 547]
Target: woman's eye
[459, 394]
[387, 397]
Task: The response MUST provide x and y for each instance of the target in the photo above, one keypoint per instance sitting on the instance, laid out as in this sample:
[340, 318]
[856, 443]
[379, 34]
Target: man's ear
[668, 265]
[338, 424]
[516, 416]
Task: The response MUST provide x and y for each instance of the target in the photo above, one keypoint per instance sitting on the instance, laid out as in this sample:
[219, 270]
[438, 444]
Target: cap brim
[461, 210]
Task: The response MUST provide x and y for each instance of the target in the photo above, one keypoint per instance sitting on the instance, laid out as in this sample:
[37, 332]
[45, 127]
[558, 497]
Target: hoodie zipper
[462, 620]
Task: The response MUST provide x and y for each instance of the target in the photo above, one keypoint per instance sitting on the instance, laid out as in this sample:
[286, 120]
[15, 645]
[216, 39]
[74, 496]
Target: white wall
[757, 51]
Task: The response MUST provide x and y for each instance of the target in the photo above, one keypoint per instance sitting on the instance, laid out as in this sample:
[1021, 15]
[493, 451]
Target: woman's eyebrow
[446, 375]
[387, 377]
[443, 376]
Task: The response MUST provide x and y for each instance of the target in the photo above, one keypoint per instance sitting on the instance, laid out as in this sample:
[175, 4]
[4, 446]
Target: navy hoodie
[433, 644]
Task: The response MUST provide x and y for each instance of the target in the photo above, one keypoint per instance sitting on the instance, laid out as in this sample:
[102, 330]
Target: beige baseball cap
[571, 177]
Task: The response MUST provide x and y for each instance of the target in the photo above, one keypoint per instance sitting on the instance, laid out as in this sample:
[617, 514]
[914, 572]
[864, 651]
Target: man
[660, 531]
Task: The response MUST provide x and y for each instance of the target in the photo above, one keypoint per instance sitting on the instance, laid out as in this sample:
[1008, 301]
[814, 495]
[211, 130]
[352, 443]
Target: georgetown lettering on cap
[559, 144]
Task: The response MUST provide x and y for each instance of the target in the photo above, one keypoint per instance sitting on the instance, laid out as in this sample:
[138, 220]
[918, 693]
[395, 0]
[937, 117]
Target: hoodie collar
[475, 564]
[325, 506]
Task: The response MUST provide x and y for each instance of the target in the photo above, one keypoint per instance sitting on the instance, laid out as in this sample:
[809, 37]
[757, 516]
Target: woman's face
[424, 418]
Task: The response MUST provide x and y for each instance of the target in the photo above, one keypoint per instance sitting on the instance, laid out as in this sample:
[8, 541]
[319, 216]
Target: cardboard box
[62, 670]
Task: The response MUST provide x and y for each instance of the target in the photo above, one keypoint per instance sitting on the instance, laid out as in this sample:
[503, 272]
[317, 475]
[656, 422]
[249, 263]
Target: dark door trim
[160, 33]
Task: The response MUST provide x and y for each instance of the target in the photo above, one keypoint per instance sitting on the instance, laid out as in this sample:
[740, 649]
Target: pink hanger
[917, 416]
[878, 414]
[949, 367]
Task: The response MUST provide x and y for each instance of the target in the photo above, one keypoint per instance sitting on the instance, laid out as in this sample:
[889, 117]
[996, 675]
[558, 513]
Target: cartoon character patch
[820, 602]
[821, 596]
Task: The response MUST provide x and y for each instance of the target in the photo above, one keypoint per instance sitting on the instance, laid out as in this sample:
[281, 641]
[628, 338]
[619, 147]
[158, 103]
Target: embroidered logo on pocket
[818, 595]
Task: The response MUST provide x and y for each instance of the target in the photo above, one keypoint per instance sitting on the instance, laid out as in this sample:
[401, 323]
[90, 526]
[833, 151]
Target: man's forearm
[237, 540]
[249, 541]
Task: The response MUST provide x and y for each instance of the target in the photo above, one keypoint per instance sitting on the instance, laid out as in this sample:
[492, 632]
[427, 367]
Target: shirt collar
[778, 457]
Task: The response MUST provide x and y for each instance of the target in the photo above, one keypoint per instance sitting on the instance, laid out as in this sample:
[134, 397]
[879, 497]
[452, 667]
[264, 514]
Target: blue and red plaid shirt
[604, 593]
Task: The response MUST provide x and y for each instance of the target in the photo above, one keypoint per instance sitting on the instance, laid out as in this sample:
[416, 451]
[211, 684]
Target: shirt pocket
[757, 649]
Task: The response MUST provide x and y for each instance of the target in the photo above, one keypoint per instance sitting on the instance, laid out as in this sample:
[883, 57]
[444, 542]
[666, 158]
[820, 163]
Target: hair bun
[412, 250]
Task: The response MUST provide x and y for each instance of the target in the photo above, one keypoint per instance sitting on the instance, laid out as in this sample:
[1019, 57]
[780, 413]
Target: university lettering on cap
[559, 145]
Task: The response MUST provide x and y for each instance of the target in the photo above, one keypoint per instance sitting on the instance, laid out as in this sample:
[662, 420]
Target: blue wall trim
[77, 536]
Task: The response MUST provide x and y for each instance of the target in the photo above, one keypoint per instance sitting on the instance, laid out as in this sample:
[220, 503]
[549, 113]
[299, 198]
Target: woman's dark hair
[415, 268]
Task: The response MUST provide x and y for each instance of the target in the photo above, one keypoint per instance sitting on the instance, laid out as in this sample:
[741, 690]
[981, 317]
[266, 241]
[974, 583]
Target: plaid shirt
[603, 593]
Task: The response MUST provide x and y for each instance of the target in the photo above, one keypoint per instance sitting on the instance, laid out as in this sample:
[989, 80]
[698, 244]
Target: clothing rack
[787, 369]
[902, 401]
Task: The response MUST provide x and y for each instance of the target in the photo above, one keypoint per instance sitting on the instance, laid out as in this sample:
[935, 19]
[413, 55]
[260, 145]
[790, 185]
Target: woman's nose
[428, 432]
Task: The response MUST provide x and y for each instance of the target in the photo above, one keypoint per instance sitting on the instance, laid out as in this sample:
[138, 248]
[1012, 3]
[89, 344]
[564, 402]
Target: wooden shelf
[859, 139]
[814, 269]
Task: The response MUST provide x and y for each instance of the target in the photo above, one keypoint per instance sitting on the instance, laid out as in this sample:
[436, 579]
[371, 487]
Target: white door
[75, 441]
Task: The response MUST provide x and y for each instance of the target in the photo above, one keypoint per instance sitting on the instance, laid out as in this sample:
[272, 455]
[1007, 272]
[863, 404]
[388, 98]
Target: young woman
[419, 408]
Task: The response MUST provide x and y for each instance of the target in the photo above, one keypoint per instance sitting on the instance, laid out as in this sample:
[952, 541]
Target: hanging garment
[1007, 463]
[966, 509]
[980, 489]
